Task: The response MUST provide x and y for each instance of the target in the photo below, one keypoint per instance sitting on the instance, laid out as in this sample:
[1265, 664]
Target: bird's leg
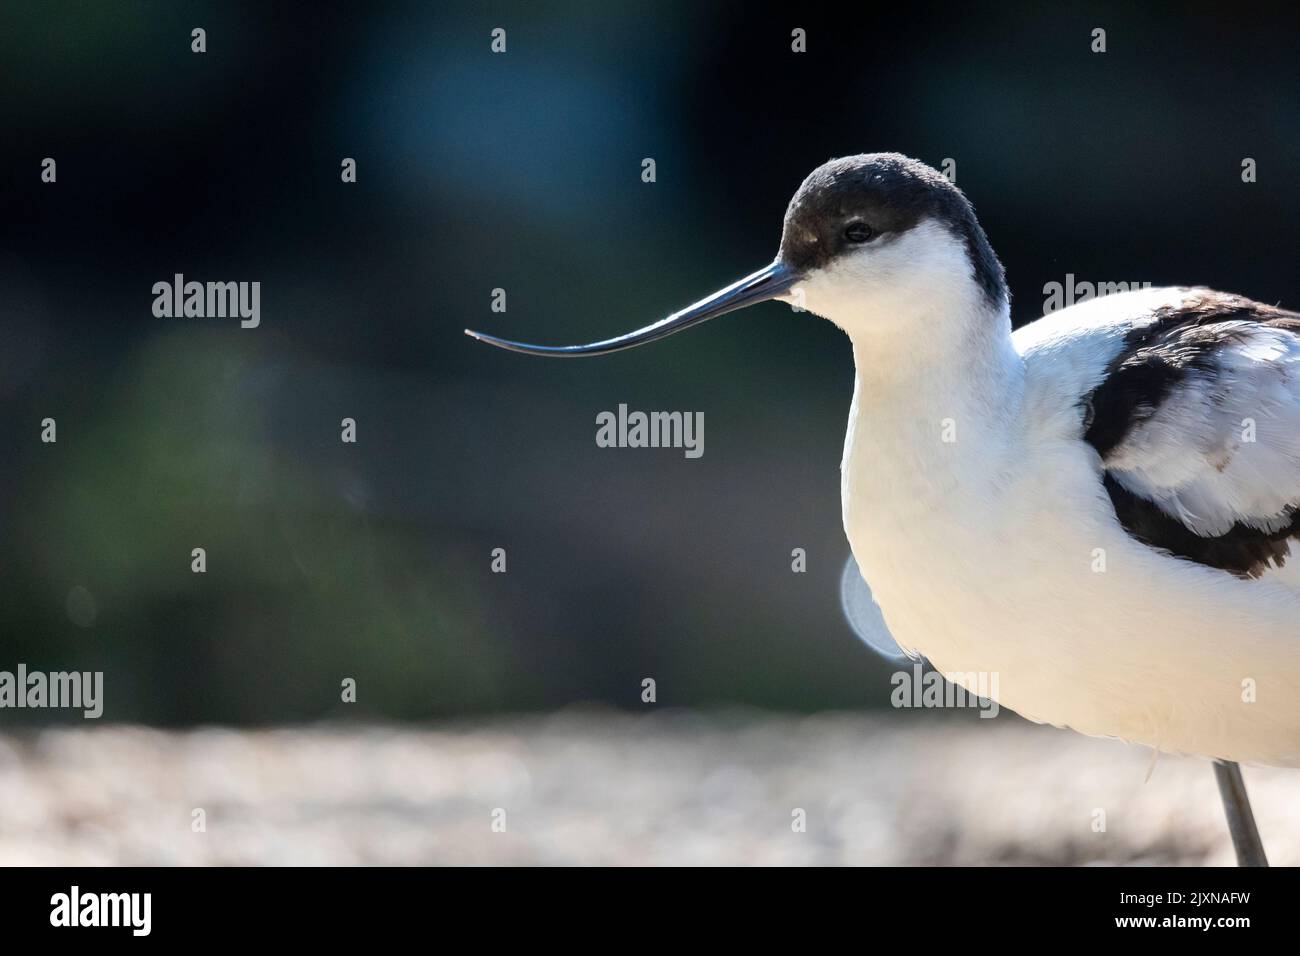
[1241, 819]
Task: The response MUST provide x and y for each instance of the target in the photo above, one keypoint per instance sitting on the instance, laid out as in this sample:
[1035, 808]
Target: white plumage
[1001, 551]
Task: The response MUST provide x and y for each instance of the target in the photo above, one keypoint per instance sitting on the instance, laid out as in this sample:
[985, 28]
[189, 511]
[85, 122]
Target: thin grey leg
[1241, 819]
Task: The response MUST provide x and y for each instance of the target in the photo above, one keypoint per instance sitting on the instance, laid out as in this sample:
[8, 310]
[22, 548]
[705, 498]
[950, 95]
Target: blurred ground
[586, 787]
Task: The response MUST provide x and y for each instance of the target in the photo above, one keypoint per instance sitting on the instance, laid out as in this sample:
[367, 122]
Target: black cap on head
[890, 193]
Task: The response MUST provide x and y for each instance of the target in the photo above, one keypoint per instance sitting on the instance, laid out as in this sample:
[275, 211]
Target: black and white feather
[1197, 422]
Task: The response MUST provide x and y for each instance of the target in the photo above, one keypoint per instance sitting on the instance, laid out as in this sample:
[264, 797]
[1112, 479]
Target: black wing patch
[1245, 551]
[1154, 361]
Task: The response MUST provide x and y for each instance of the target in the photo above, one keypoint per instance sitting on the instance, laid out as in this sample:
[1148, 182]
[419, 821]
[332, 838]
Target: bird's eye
[859, 232]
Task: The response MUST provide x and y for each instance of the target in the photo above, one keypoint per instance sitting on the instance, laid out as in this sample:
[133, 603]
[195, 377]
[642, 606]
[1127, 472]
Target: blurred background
[522, 171]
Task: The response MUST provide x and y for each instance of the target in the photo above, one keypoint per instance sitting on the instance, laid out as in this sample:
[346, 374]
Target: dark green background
[522, 171]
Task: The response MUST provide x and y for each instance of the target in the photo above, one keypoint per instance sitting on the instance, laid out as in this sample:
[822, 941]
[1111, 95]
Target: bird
[1098, 507]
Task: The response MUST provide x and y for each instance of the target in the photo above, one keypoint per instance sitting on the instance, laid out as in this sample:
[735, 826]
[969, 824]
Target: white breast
[977, 515]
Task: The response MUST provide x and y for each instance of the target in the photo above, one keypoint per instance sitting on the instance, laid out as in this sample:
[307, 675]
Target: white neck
[939, 384]
[935, 411]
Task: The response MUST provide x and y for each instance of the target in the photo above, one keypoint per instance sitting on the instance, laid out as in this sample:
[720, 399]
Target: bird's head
[865, 240]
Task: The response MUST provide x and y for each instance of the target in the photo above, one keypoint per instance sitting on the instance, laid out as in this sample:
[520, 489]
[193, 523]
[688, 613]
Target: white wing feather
[863, 614]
